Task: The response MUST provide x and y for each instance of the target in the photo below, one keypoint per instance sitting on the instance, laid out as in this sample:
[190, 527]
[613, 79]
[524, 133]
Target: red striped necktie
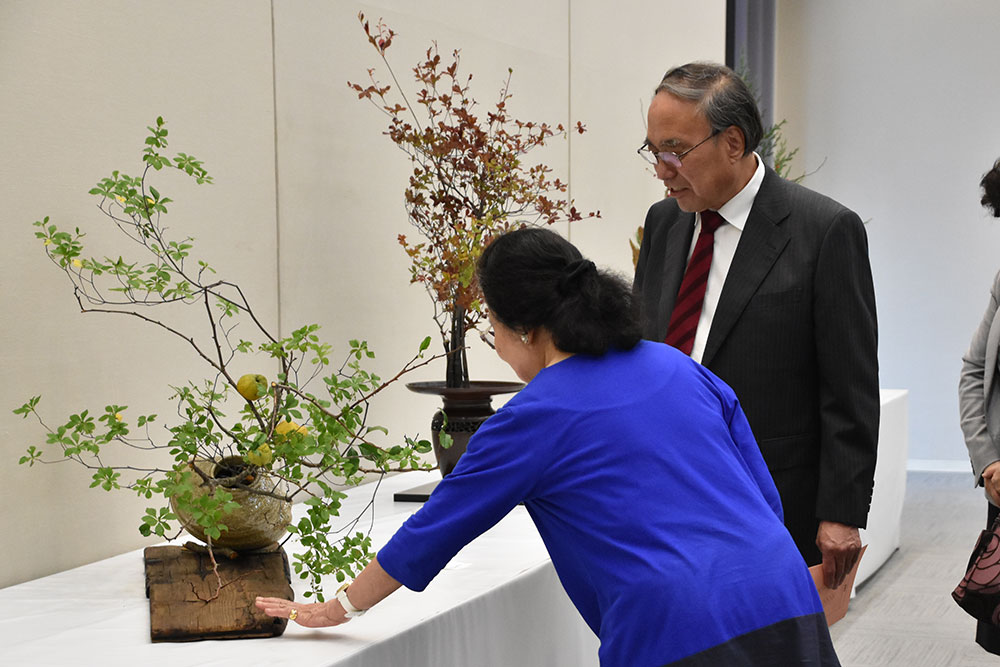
[691, 296]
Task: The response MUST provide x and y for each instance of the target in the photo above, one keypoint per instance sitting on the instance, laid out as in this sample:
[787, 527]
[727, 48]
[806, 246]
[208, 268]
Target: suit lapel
[762, 240]
[677, 245]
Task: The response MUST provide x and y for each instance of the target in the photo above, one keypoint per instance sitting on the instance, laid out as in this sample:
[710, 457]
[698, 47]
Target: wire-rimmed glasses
[647, 153]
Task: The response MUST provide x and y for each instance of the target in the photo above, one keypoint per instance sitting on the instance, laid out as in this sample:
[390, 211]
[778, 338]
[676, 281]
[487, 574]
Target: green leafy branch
[300, 439]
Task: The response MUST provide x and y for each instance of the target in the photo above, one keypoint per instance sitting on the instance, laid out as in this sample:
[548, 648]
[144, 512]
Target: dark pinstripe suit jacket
[795, 336]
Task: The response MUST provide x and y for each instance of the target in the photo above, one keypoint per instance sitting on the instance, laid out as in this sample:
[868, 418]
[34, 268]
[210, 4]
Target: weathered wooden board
[180, 585]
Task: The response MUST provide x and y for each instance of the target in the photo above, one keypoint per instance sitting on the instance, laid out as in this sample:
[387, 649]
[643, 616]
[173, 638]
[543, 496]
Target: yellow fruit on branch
[260, 456]
[252, 386]
[288, 428]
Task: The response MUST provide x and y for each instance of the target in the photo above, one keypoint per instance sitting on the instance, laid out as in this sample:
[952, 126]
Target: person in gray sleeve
[979, 399]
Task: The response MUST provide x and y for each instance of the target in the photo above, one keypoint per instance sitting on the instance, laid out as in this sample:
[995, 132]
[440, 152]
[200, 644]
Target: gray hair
[721, 95]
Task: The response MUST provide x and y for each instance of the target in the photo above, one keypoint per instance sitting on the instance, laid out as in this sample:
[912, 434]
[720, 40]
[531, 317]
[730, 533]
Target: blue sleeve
[747, 447]
[739, 428]
[498, 470]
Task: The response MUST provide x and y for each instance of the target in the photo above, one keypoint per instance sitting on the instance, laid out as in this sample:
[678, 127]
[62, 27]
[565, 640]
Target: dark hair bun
[573, 274]
[532, 277]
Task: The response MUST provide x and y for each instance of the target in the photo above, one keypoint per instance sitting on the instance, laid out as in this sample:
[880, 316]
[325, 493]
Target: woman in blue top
[637, 466]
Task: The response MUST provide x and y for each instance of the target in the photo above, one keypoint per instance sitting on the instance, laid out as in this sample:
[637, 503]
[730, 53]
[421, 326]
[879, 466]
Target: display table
[497, 603]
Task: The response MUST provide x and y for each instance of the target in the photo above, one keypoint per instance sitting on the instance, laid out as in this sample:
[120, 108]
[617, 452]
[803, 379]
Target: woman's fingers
[307, 615]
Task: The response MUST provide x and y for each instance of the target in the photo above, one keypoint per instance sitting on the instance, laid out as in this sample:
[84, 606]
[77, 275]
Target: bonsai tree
[470, 182]
[306, 430]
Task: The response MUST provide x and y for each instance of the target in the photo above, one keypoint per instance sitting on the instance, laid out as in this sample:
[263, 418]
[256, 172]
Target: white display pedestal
[882, 534]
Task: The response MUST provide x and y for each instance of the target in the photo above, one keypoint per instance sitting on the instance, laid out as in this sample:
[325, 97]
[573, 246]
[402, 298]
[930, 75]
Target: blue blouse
[644, 480]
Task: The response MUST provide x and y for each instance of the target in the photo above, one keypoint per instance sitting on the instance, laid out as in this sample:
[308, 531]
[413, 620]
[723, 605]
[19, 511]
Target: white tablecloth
[497, 603]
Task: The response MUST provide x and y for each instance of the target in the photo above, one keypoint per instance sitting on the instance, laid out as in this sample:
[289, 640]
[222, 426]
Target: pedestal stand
[464, 410]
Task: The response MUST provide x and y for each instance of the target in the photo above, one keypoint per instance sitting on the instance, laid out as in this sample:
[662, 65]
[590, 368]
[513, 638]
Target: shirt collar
[737, 210]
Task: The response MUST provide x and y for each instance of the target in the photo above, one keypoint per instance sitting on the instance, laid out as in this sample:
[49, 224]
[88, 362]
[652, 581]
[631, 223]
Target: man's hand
[840, 545]
[991, 480]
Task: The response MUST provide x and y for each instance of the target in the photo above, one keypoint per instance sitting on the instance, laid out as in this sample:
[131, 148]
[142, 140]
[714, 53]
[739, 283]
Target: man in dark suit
[788, 314]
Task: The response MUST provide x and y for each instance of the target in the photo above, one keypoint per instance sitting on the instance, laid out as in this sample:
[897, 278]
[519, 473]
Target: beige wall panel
[618, 57]
[80, 83]
[895, 102]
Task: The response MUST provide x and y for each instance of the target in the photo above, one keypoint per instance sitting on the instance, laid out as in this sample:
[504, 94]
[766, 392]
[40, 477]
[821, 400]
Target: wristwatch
[352, 611]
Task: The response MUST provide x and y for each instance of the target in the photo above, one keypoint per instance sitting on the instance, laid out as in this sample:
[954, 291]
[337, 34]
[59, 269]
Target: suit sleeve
[846, 334]
[972, 394]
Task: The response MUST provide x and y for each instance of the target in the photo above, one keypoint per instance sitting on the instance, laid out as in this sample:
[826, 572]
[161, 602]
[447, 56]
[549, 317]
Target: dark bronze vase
[464, 409]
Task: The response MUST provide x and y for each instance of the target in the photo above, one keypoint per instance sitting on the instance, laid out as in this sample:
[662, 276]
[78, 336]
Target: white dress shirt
[735, 213]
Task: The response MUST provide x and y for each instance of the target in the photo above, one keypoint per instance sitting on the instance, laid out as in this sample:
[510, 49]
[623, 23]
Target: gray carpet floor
[904, 615]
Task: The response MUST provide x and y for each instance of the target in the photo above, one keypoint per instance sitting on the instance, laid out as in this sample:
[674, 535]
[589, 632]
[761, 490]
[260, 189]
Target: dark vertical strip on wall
[750, 36]
[731, 34]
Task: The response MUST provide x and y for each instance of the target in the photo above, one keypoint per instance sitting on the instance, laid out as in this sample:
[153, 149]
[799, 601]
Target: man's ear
[734, 142]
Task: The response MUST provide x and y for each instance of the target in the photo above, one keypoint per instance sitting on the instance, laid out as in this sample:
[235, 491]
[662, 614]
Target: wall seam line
[277, 189]
[569, 111]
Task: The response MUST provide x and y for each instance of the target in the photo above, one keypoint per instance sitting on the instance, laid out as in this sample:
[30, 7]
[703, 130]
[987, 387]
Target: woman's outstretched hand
[371, 586]
[316, 615]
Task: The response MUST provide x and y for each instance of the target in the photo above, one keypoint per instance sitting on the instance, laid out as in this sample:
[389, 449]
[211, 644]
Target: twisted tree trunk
[457, 372]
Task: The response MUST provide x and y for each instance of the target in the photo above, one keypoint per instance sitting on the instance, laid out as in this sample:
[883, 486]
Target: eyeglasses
[488, 337]
[651, 156]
